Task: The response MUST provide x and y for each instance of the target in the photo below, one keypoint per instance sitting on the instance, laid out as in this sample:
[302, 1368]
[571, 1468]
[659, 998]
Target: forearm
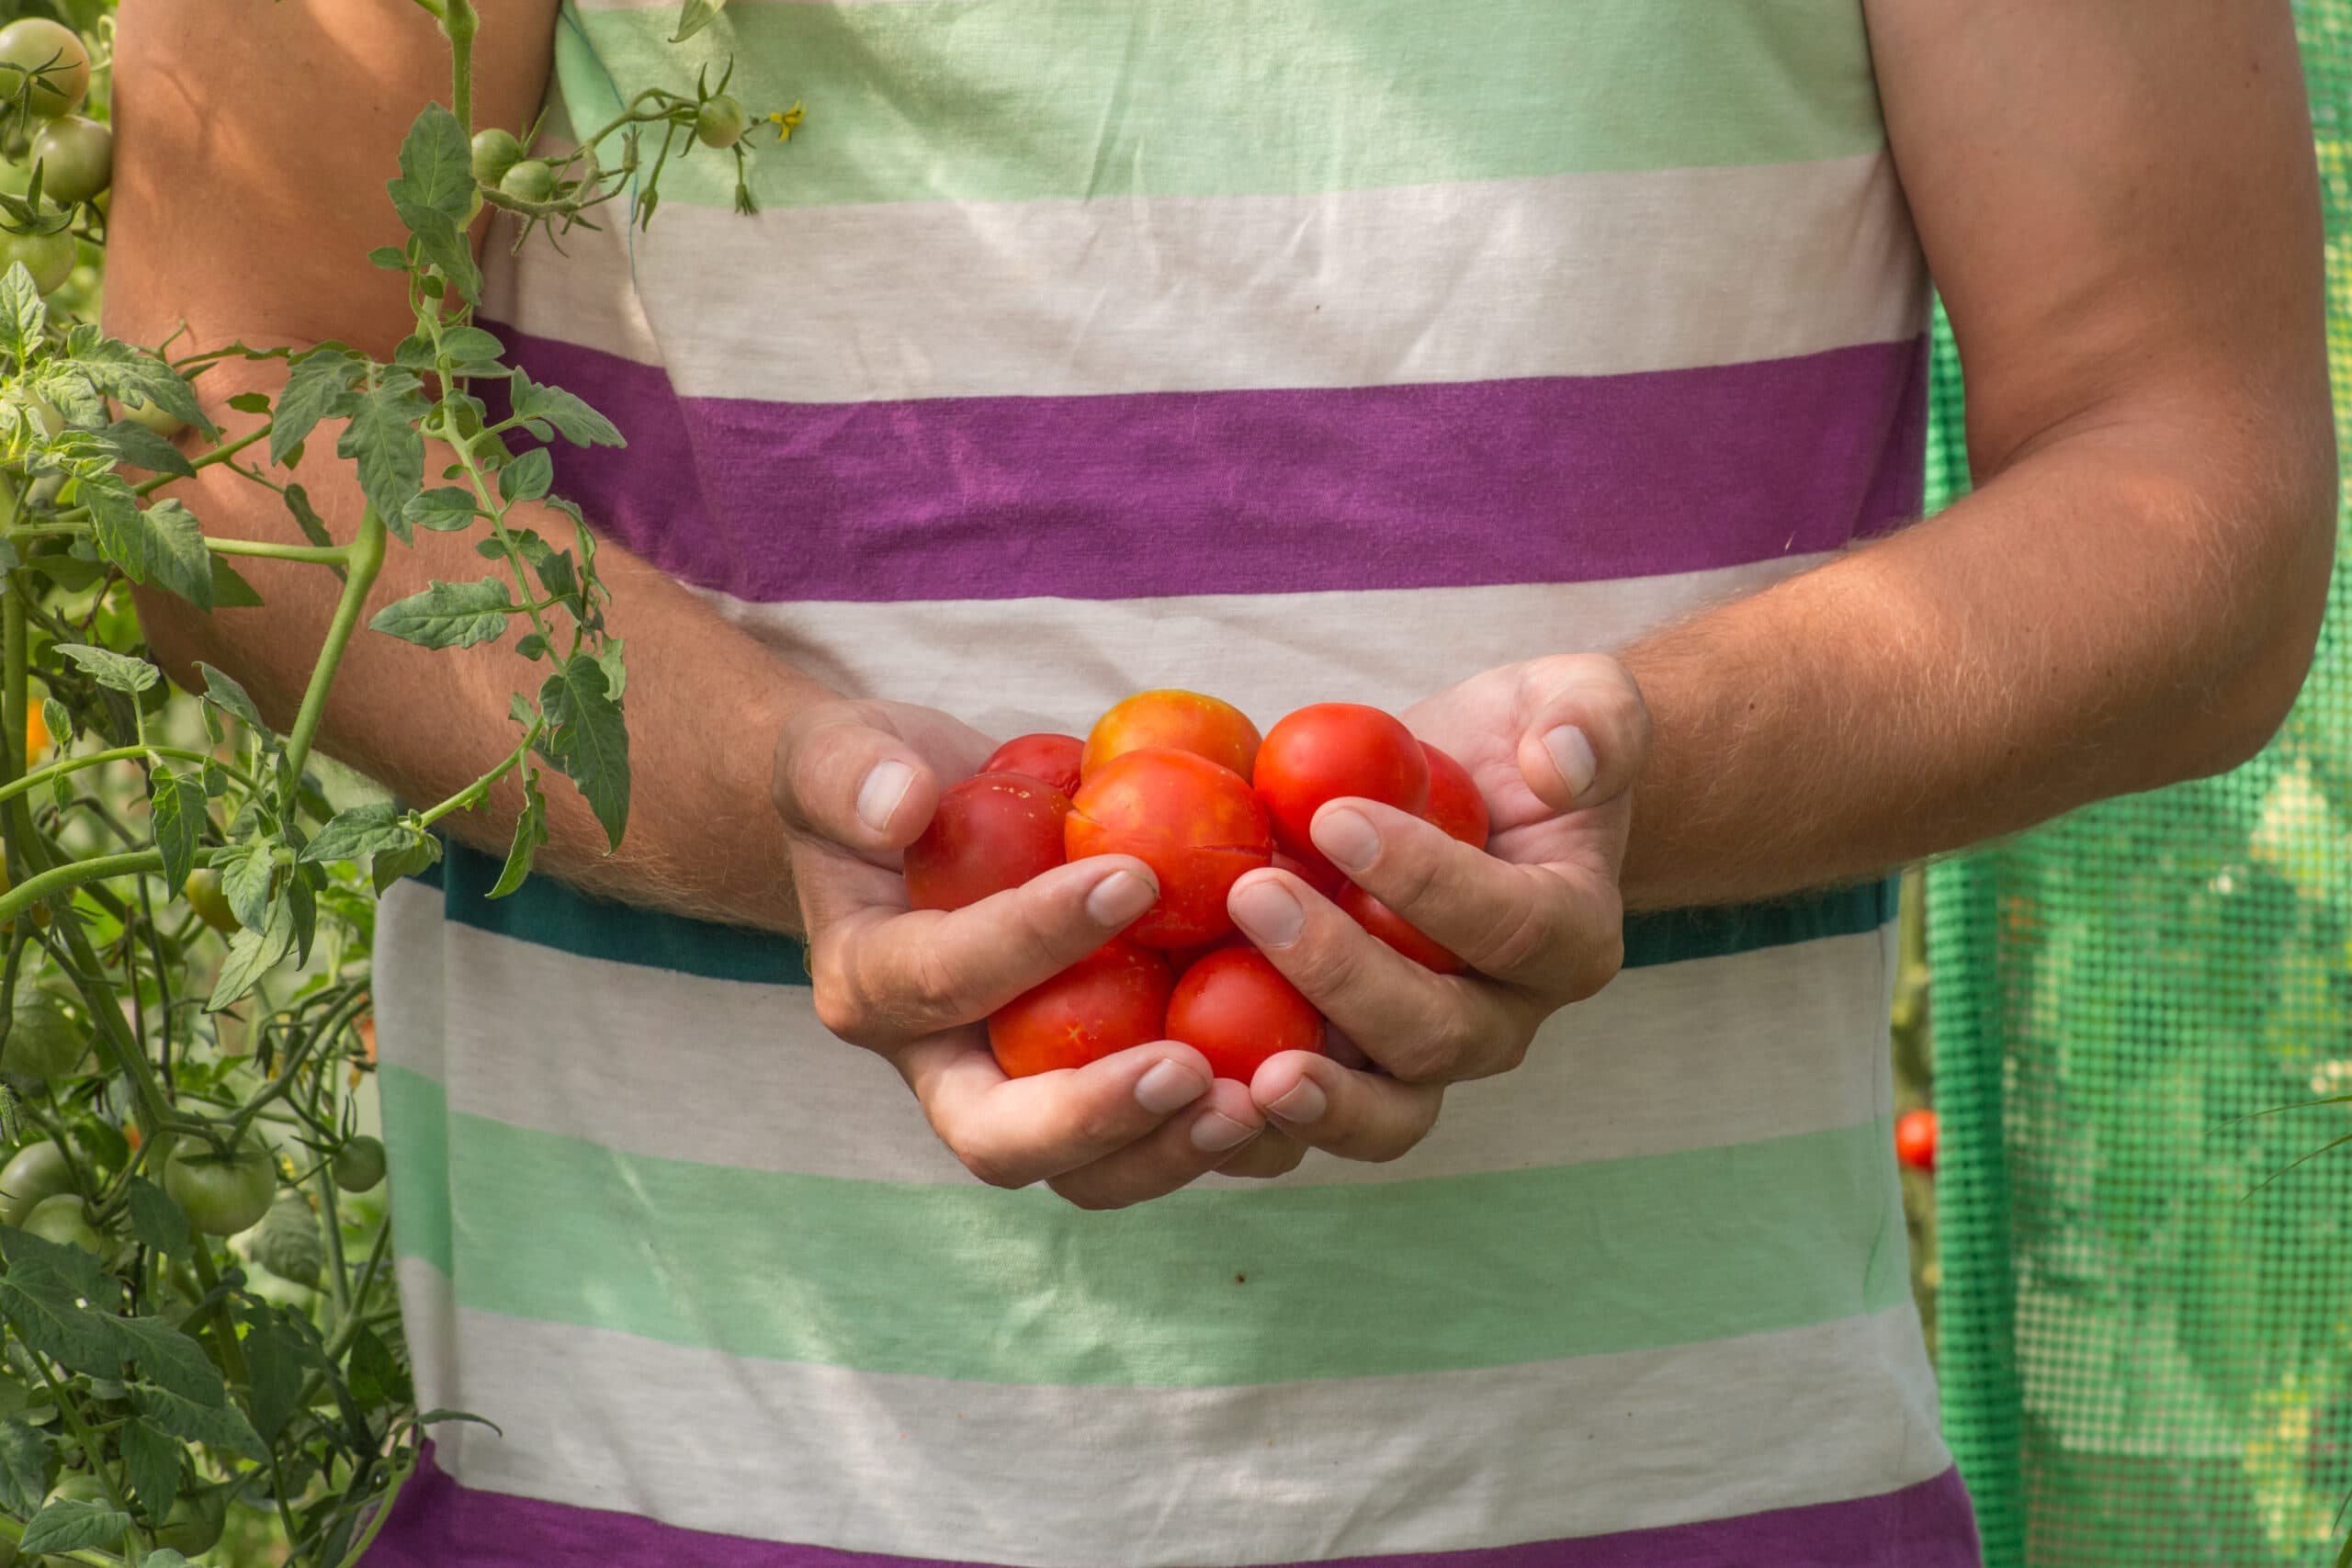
[2109, 615]
[705, 701]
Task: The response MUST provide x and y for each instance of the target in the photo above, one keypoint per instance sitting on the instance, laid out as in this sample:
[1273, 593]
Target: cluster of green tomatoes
[44, 77]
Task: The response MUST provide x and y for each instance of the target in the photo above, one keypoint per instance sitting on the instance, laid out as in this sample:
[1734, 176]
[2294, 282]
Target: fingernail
[1572, 755]
[1214, 1133]
[885, 784]
[1268, 914]
[1304, 1103]
[1169, 1088]
[1120, 897]
[1351, 842]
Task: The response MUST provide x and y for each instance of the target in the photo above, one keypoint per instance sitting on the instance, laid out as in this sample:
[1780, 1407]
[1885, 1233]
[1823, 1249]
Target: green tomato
[202, 890]
[48, 257]
[43, 1041]
[76, 159]
[161, 420]
[50, 52]
[36, 1172]
[720, 122]
[360, 1163]
[193, 1526]
[60, 1220]
[221, 1195]
[530, 180]
[495, 151]
[78, 1487]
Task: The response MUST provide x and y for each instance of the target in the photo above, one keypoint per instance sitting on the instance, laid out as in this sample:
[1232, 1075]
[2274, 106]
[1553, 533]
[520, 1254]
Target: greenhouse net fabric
[2146, 1350]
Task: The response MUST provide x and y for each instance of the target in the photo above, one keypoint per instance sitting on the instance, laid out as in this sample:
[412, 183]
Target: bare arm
[248, 191]
[2118, 203]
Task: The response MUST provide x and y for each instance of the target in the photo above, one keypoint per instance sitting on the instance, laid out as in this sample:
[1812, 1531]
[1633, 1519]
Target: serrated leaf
[24, 1465]
[575, 420]
[151, 1461]
[436, 165]
[245, 881]
[589, 739]
[70, 1523]
[162, 544]
[23, 318]
[229, 590]
[615, 672]
[170, 1360]
[224, 692]
[113, 671]
[221, 1426]
[252, 952]
[175, 809]
[133, 376]
[443, 510]
[361, 830]
[382, 438]
[449, 614]
[470, 346]
[530, 834]
[527, 477]
[275, 1360]
[316, 387]
[443, 242]
[60, 722]
[376, 1376]
[557, 576]
[389, 866]
[156, 1221]
[128, 441]
[54, 1296]
[694, 16]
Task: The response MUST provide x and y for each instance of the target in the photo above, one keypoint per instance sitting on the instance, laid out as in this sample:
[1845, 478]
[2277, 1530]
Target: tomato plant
[1113, 997]
[991, 832]
[1207, 726]
[1236, 1008]
[1197, 825]
[1327, 751]
[1049, 759]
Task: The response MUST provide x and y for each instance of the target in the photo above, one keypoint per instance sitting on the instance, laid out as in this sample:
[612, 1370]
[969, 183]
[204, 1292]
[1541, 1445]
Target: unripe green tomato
[495, 151]
[76, 159]
[43, 1041]
[60, 1220]
[35, 1172]
[78, 1487]
[220, 1196]
[161, 420]
[530, 180]
[36, 44]
[720, 122]
[202, 890]
[193, 1526]
[48, 257]
[360, 1163]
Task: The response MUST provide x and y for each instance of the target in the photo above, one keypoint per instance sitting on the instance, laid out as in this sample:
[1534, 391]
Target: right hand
[855, 782]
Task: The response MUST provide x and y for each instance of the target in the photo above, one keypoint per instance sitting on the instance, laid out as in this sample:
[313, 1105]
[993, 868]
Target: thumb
[839, 776]
[1586, 731]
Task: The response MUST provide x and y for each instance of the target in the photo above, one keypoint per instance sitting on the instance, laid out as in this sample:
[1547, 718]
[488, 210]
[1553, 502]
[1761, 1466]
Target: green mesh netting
[2147, 1363]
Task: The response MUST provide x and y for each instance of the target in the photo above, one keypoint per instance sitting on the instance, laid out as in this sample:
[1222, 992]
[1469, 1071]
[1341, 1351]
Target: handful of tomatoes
[1186, 785]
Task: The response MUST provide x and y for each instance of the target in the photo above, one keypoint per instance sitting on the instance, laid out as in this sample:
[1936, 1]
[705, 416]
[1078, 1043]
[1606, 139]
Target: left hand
[1554, 745]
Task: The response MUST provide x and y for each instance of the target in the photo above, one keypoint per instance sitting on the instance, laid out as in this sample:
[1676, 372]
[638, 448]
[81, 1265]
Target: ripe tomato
[35, 1172]
[53, 55]
[1455, 804]
[1330, 749]
[494, 153]
[1196, 824]
[1049, 759]
[1185, 720]
[48, 257]
[1915, 1140]
[1113, 997]
[1393, 928]
[76, 159]
[1235, 1007]
[60, 1219]
[991, 833]
[721, 122]
[221, 1195]
[529, 180]
[359, 1164]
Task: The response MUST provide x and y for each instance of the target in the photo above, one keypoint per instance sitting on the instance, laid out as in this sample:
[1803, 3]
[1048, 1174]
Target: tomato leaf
[245, 881]
[224, 692]
[133, 376]
[573, 419]
[435, 193]
[252, 952]
[162, 544]
[317, 386]
[298, 502]
[222, 1427]
[229, 590]
[171, 1359]
[128, 441]
[449, 614]
[275, 1360]
[156, 1221]
[24, 1463]
[152, 1463]
[54, 1294]
[389, 866]
[23, 318]
[530, 833]
[694, 16]
[382, 438]
[70, 1523]
[527, 477]
[361, 830]
[589, 739]
[443, 510]
[113, 671]
[176, 810]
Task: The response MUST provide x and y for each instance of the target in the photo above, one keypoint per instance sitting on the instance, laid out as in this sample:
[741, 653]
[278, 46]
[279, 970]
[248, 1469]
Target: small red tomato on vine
[1915, 1140]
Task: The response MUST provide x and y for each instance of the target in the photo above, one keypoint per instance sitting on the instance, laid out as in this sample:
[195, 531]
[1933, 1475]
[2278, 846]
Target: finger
[1014, 1132]
[841, 778]
[1529, 925]
[1180, 1152]
[1419, 1025]
[1320, 1104]
[885, 975]
[1271, 1154]
[1586, 735]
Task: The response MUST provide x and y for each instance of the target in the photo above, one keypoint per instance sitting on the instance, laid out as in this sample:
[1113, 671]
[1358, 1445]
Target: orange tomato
[1915, 1140]
[1186, 721]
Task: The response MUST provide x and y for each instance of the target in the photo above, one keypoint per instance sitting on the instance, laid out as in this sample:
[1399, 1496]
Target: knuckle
[1521, 933]
[989, 1165]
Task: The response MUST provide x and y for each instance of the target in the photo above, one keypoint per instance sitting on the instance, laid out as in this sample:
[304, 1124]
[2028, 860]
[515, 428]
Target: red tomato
[1113, 997]
[1049, 759]
[1455, 804]
[1235, 1007]
[1324, 878]
[1196, 825]
[1393, 928]
[1331, 749]
[1915, 1140]
[1185, 720]
[991, 833]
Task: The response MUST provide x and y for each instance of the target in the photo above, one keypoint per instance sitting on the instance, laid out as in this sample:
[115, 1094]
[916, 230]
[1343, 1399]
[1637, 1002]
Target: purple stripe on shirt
[439, 1524]
[1540, 480]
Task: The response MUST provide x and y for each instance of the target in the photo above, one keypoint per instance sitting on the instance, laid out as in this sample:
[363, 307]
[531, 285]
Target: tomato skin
[220, 1196]
[358, 1165]
[495, 151]
[530, 180]
[48, 257]
[202, 891]
[1186, 721]
[193, 1526]
[1330, 749]
[62, 1220]
[1915, 1140]
[76, 159]
[33, 44]
[991, 833]
[1455, 804]
[36, 1172]
[1393, 928]
[1198, 825]
[161, 421]
[1049, 759]
[721, 122]
[1235, 1007]
[1324, 878]
[43, 1041]
[1113, 997]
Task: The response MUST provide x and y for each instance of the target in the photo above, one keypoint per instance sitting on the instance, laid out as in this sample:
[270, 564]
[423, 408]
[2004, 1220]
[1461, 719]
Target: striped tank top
[1326, 350]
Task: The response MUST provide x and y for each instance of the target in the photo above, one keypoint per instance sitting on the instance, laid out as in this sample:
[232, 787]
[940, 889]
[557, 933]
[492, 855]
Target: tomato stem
[366, 558]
